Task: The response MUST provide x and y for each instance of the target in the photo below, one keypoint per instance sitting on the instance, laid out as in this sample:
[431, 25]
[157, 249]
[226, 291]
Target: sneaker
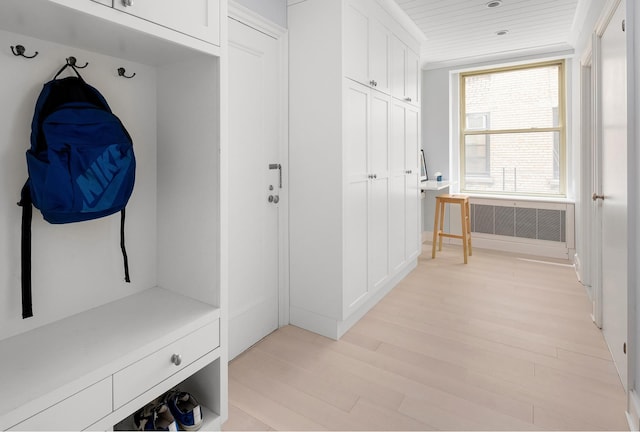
[156, 417]
[185, 409]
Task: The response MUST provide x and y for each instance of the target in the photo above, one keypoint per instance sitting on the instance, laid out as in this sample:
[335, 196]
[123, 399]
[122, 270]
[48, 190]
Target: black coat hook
[19, 51]
[71, 61]
[121, 72]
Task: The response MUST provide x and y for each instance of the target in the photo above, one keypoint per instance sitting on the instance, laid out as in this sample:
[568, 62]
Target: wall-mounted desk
[432, 185]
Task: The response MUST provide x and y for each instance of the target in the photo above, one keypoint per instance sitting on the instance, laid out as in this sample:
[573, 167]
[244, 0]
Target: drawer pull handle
[176, 359]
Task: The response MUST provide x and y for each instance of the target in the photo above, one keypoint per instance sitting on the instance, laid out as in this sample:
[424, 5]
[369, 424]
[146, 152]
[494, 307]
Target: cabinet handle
[408, 99]
[375, 176]
[176, 359]
[372, 83]
[126, 3]
[408, 171]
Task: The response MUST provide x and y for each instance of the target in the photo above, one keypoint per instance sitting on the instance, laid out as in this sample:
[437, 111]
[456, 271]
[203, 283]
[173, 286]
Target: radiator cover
[529, 223]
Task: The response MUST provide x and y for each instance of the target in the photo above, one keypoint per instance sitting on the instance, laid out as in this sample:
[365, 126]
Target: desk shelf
[432, 185]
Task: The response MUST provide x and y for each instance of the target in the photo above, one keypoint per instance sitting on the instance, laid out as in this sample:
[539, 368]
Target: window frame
[560, 128]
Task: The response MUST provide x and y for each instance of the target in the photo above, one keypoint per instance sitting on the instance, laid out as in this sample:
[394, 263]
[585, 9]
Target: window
[512, 137]
[477, 147]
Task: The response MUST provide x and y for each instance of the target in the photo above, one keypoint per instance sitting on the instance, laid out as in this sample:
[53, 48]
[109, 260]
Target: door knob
[176, 359]
[595, 197]
[271, 198]
[276, 199]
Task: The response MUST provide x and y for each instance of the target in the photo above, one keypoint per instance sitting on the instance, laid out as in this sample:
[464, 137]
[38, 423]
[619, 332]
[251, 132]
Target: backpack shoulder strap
[27, 211]
[125, 259]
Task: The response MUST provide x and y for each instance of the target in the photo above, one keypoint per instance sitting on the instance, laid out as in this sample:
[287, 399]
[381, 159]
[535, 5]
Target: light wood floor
[502, 343]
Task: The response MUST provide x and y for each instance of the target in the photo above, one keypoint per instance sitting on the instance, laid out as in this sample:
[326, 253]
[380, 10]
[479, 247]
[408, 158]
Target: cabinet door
[412, 92]
[367, 46]
[197, 18]
[378, 220]
[397, 174]
[356, 135]
[398, 68]
[356, 44]
[412, 190]
[404, 211]
[379, 56]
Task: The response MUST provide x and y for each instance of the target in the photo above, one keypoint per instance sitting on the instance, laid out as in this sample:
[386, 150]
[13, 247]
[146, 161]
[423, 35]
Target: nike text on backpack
[81, 164]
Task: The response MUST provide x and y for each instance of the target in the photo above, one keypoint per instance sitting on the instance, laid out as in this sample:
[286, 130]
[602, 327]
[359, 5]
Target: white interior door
[254, 187]
[614, 190]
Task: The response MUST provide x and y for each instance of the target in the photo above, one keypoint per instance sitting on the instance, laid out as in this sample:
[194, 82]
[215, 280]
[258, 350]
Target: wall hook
[71, 61]
[19, 51]
[121, 72]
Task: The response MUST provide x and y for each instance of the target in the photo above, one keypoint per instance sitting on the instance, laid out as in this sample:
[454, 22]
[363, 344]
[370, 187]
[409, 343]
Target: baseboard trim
[578, 266]
[540, 248]
[633, 411]
[320, 324]
[335, 329]
[344, 326]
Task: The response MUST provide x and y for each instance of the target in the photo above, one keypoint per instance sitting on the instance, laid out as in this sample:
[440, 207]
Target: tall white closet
[354, 142]
[98, 349]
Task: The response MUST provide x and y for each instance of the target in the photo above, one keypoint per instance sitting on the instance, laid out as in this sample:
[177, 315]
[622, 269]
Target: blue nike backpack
[81, 164]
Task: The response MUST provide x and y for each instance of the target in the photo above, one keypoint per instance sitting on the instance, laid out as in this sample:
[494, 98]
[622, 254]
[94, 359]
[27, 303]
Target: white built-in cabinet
[405, 72]
[404, 190]
[98, 349]
[367, 45]
[366, 132]
[354, 200]
[197, 18]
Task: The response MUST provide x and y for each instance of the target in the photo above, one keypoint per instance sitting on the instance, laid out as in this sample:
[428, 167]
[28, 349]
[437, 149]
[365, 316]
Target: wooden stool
[438, 223]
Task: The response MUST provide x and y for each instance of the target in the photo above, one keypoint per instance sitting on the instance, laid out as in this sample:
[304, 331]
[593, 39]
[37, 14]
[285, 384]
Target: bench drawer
[76, 412]
[144, 374]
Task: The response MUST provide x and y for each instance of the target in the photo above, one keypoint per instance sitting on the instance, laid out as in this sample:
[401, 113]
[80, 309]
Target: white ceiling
[464, 31]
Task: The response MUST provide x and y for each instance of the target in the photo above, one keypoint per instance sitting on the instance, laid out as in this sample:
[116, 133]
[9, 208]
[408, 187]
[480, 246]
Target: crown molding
[252, 19]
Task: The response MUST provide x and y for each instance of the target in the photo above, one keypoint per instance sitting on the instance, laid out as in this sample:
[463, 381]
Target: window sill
[529, 198]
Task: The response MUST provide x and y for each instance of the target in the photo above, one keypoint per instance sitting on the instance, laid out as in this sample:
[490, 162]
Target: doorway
[257, 186]
[610, 206]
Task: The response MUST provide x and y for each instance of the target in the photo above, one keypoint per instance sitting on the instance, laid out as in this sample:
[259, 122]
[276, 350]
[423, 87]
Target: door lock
[277, 166]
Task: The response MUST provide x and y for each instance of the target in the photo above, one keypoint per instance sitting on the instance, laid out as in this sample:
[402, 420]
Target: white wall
[74, 266]
[435, 120]
[274, 10]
